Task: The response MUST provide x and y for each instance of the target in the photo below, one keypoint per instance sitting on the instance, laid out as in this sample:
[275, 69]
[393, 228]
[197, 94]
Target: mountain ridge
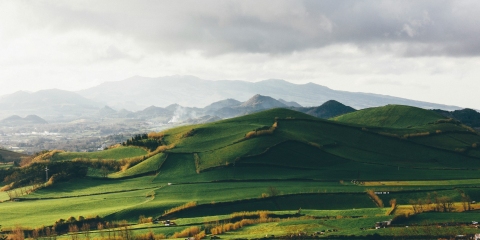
[195, 92]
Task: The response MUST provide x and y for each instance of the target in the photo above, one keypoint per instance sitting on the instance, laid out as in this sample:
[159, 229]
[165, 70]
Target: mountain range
[137, 92]
[227, 108]
[16, 120]
[178, 98]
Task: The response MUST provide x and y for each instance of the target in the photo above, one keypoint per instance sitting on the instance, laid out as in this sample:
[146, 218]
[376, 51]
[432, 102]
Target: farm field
[277, 172]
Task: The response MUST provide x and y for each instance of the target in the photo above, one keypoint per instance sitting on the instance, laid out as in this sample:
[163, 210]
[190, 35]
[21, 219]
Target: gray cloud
[424, 28]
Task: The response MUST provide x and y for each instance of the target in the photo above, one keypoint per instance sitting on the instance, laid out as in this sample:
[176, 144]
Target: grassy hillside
[310, 174]
[395, 116]
[301, 141]
[112, 154]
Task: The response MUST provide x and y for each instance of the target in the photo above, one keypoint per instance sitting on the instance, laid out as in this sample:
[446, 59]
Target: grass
[89, 186]
[46, 212]
[149, 165]
[114, 153]
[4, 197]
[6, 165]
[443, 217]
[396, 116]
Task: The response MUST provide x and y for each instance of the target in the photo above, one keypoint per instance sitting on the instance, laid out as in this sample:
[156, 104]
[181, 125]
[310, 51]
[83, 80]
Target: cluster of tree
[439, 203]
[265, 130]
[142, 140]
[77, 227]
[194, 232]
[35, 173]
[232, 226]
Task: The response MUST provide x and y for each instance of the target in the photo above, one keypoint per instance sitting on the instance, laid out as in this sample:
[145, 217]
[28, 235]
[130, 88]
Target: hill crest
[394, 116]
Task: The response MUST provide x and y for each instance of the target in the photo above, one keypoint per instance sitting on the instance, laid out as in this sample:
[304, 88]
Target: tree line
[143, 140]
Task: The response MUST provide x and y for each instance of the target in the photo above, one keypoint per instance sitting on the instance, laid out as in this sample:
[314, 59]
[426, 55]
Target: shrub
[189, 232]
[181, 207]
[265, 130]
[375, 198]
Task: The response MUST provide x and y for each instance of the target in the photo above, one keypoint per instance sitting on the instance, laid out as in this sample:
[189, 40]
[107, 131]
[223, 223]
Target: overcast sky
[423, 50]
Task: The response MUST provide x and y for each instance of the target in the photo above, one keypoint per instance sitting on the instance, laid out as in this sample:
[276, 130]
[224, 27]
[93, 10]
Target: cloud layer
[350, 45]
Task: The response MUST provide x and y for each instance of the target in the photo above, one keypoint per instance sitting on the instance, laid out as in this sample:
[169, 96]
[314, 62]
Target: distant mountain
[222, 104]
[195, 92]
[154, 112]
[16, 120]
[467, 116]
[259, 102]
[203, 119]
[290, 104]
[327, 110]
[52, 104]
[254, 104]
[34, 119]
[107, 112]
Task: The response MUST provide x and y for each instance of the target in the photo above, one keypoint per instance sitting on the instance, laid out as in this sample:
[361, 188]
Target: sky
[423, 50]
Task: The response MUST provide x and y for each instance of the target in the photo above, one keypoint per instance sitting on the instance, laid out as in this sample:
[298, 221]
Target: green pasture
[398, 116]
[93, 186]
[424, 195]
[442, 217]
[180, 168]
[114, 153]
[151, 164]
[4, 197]
[5, 165]
[46, 212]
[343, 226]
[450, 141]
[225, 198]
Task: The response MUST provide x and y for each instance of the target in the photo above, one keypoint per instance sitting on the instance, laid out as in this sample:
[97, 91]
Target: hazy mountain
[290, 104]
[107, 112]
[16, 120]
[254, 104]
[195, 92]
[259, 102]
[223, 103]
[154, 112]
[327, 110]
[52, 104]
[203, 119]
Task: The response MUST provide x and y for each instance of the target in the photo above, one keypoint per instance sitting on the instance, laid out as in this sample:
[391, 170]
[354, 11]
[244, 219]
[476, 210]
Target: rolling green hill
[310, 174]
[395, 116]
